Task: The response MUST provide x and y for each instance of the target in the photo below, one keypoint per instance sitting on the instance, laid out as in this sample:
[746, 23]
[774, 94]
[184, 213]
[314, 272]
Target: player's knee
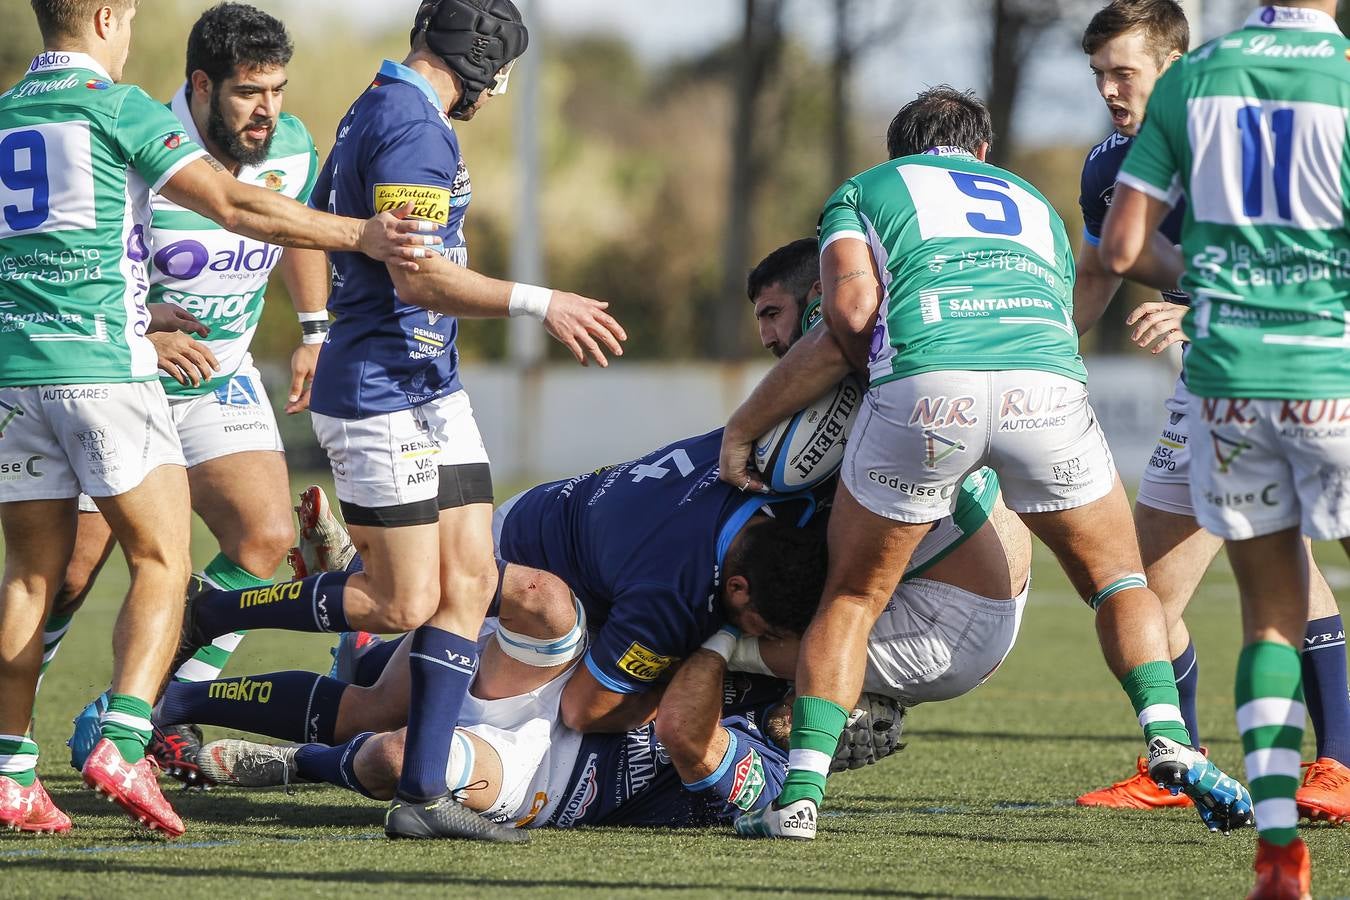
[262, 546]
[536, 603]
[379, 764]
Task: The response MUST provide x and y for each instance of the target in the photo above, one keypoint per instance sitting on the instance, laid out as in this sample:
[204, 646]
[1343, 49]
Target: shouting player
[1251, 130]
[411, 471]
[231, 106]
[949, 281]
[1130, 44]
[82, 407]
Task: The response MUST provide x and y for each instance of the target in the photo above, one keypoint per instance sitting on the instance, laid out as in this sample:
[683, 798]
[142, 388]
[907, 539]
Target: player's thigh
[401, 575]
[152, 521]
[1046, 445]
[867, 552]
[1094, 543]
[914, 442]
[1176, 553]
[244, 499]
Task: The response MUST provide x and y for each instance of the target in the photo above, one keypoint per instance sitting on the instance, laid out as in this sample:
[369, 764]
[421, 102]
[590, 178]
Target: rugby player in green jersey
[231, 106]
[1130, 43]
[1251, 130]
[81, 405]
[949, 281]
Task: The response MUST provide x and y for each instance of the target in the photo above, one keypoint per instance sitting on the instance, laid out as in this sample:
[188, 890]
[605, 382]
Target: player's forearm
[306, 276]
[1160, 265]
[452, 290]
[1093, 289]
[268, 216]
[688, 722]
[815, 364]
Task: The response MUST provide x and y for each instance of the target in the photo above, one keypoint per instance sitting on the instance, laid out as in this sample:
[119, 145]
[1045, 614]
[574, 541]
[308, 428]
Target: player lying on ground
[515, 762]
[77, 374]
[948, 280]
[1130, 44]
[1251, 130]
[231, 105]
[641, 560]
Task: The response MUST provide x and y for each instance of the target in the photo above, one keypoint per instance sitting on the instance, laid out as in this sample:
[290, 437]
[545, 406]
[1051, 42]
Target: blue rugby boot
[1222, 801]
[88, 731]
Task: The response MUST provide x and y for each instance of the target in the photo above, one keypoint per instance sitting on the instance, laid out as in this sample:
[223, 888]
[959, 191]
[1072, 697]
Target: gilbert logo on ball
[807, 447]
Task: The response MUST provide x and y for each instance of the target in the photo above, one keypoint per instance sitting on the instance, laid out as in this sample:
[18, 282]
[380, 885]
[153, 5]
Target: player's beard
[232, 142]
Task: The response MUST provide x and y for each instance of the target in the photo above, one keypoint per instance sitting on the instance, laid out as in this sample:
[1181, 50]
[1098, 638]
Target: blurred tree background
[663, 181]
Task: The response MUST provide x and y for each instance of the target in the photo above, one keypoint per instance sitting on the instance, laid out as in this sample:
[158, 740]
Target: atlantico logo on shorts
[276, 593]
[431, 204]
[243, 689]
[642, 663]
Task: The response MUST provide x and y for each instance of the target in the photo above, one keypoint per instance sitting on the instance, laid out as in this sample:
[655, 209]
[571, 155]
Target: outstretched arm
[688, 723]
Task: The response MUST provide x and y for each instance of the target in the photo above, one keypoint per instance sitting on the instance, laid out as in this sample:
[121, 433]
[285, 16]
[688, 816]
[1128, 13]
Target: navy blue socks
[441, 666]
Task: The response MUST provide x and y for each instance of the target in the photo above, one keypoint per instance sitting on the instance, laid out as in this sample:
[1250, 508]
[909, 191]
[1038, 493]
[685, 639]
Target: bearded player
[1130, 43]
[388, 406]
[231, 106]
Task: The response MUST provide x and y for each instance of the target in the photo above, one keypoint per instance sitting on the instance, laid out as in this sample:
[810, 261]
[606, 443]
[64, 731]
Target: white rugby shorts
[537, 751]
[57, 441]
[917, 438]
[1166, 483]
[1262, 466]
[393, 459]
[935, 641]
[236, 417]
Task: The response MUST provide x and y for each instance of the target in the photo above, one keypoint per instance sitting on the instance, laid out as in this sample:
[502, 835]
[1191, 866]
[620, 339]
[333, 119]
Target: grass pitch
[979, 805]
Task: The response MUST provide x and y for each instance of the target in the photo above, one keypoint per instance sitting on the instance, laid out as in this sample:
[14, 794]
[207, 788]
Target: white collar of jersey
[947, 151]
[52, 60]
[1292, 17]
[183, 110]
[391, 69]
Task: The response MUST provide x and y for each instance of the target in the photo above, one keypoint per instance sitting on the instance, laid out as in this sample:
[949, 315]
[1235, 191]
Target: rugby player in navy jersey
[411, 472]
[1130, 43]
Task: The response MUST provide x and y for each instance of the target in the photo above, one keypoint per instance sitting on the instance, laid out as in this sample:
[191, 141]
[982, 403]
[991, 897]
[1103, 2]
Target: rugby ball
[807, 447]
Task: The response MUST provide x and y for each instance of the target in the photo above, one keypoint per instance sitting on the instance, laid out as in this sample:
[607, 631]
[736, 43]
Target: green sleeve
[151, 139]
[1153, 164]
[841, 215]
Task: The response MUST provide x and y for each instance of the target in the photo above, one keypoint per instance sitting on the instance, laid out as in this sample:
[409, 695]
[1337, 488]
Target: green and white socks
[816, 726]
[1152, 689]
[52, 633]
[126, 723]
[207, 663]
[1270, 716]
[18, 759]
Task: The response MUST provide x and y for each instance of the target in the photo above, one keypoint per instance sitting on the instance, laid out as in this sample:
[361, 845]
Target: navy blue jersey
[627, 779]
[1099, 182]
[640, 543]
[394, 146]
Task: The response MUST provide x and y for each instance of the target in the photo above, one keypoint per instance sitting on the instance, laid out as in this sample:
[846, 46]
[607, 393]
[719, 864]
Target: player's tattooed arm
[848, 276]
[215, 163]
[852, 296]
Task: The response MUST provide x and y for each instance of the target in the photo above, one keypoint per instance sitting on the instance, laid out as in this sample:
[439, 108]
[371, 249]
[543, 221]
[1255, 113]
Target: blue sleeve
[1093, 200]
[416, 162]
[751, 773]
[649, 629]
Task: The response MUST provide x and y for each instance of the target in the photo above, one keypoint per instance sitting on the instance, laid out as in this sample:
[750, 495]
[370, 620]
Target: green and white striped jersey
[976, 268]
[79, 157]
[1252, 128]
[220, 277]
